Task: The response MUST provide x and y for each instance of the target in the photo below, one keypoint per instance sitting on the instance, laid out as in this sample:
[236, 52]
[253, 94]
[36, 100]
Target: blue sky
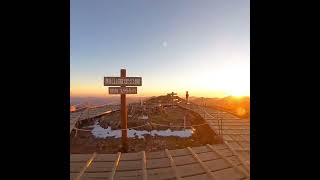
[175, 45]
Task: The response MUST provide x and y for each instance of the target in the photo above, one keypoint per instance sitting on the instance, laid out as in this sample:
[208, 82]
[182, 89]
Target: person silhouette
[187, 97]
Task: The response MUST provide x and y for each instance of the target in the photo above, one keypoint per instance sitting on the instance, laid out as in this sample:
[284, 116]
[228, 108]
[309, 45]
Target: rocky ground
[85, 142]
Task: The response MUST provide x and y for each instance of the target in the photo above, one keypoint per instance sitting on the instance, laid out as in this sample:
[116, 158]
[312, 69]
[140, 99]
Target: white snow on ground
[100, 132]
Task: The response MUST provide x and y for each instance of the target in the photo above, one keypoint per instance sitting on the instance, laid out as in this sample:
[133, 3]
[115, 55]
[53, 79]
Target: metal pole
[124, 118]
[172, 98]
[221, 130]
[218, 125]
[203, 108]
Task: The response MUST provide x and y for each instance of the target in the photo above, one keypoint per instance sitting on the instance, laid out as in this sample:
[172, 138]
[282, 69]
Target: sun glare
[238, 93]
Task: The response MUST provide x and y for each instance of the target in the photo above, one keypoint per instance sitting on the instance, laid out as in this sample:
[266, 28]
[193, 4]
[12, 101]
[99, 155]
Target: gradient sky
[202, 46]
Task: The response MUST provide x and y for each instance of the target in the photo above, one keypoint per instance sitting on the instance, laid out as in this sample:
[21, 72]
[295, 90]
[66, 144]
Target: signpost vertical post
[124, 119]
[123, 81]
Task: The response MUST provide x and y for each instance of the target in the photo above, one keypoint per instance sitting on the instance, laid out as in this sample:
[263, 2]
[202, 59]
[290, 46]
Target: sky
[200, 46]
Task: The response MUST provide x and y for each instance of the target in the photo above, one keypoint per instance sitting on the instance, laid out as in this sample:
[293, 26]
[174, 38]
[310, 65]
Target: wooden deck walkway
[235, 131]
[90, 113]
[196, 163]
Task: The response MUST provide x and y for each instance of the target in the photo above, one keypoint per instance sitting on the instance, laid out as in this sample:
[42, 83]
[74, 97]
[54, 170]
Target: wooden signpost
[171, 95]
[123, 81]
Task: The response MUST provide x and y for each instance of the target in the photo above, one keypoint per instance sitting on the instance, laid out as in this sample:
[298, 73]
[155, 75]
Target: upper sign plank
[122, 81]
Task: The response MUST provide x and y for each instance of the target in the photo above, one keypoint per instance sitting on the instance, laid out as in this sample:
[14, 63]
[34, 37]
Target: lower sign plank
[122, 90]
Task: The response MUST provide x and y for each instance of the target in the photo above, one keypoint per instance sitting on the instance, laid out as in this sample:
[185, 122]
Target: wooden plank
[173, 165]
[220, 146]
[190, 170]
[197, 177]
[95, 175]
[158, 163]
[234, 133]
[246, 137]
[161, 174]
[105, 157]
[86, 166]
[228, 132]
[179, 152]
[200, 149]
[226, 152]
[75, 167]
[156, 155]
[202, 164]
[235, 160]
[73, 175]
[127, 174]
[99, 166]
[244, 144]
[245, 155]
[229, 162]
[237, 138]
[80, 157]
[144, 165]
[234, 145]
[130, 156]
[129, 165]
[116, 163]
[241, 131]
[244, 149]
[208, 156]
[125, 177]
[246, 165]
[240, 127]
[182, 160]
[230, 124]
[227, 138]
[216, 164]
[229, 174]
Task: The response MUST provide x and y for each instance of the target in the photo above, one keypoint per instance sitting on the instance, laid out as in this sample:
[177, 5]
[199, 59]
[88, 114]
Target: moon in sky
[164, 44]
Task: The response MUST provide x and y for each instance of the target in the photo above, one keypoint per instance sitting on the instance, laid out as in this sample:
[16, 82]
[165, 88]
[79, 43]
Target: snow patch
[100, 132]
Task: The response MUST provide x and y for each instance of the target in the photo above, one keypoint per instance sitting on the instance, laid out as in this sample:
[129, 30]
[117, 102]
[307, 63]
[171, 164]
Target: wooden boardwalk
[196, 163]
[234, 131]
[90, 112]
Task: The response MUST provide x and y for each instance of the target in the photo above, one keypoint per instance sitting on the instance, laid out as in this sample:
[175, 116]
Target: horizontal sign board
[122, 81]
[122, 90]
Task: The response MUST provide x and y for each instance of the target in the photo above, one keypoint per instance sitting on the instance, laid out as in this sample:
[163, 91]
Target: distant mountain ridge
[102, 100]
[235, 105]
